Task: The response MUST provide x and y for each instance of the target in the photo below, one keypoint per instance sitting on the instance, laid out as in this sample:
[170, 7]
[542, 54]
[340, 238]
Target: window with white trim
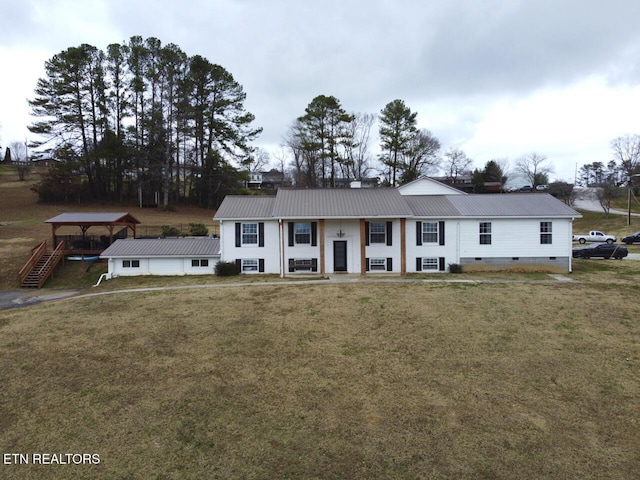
[429, 232]
[379, 264]
[249, 264]
[430, 264]
[546, 233]
[200, 262]
[302, 233]
[485, 233]
[377, 232]
[131, 264]
[249, 234]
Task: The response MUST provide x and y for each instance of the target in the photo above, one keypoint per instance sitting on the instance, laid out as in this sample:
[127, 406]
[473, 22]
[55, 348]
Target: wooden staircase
[39, 268]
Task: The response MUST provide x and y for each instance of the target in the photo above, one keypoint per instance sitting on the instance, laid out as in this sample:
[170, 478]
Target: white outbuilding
[163, 256]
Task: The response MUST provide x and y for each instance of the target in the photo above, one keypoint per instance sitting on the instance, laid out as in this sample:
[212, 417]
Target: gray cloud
[455, 54]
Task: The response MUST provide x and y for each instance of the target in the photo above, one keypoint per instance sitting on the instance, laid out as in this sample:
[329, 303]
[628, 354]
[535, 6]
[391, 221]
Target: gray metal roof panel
[245, 206]
[90, 217]
[340, 203]
[512, 205]
[164, 247]
[490, 205]
[431, 206]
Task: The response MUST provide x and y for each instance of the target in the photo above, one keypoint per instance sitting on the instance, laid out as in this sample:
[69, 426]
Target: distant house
[271, 180]
[423, 226]
[465, 184]
[163, 256]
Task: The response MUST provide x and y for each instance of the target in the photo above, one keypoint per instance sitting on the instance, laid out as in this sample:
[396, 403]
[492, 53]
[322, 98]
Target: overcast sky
[495, 78]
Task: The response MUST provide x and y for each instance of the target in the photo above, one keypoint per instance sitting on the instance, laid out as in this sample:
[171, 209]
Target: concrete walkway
[22, 298]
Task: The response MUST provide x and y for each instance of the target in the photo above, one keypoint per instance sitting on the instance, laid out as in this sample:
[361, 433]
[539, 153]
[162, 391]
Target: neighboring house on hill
[271, 180]
[423, 226]
[163, 256]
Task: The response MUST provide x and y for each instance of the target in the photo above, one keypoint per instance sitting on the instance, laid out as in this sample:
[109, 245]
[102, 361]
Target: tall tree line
[327, 143]
[142, 118]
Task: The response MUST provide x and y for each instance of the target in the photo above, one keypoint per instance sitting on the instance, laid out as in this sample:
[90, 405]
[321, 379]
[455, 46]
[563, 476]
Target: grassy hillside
[22, 224]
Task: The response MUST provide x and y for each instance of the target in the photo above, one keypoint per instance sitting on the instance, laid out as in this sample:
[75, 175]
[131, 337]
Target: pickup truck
[594, 236]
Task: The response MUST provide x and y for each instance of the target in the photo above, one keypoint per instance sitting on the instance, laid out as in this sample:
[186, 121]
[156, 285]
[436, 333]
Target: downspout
[222, 259]
[281, 249]
[571, 245]
[458, 242]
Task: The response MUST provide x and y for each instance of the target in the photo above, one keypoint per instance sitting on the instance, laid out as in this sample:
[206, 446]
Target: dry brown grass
[394, 380]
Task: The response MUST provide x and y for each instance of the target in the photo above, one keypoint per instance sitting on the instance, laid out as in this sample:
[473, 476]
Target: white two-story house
[423, 226]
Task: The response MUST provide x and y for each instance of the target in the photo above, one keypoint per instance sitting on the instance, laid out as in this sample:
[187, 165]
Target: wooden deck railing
[43, 272]
[46, 271]
[36, 254]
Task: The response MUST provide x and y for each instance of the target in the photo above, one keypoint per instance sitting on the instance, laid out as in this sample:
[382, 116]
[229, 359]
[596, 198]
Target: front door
[340, 256]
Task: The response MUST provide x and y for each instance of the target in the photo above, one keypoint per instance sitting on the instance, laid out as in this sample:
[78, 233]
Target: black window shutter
[367, 264]
[314, 234]
[441, 233]
[389, 264]
[261, 265]
[239, 264]
[389, 233]
[238, 237]
[261, 234]
[441, 264]
[314, 264]
[366, 233]
[290, 234]
[418, 233]
[291, 265]
[418, 264]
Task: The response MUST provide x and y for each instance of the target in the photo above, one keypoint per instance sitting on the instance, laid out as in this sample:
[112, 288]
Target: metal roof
[93, 218]
[512, 205]
[340, 203]
[389, 203]
[164, 247]
[246, 206]
[489, 205]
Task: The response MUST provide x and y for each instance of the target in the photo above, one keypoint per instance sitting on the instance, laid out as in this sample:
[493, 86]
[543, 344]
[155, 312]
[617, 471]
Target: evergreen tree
[141, 116]
[397, 129]
[322, 129]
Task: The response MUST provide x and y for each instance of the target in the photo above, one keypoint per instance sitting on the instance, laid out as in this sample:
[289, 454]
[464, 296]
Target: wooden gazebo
[117, 225]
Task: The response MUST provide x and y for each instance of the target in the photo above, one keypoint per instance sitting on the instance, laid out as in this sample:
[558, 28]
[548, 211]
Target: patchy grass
[406, 380]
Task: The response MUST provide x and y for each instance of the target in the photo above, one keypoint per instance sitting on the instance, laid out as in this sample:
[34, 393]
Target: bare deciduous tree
[626, 151]
[421, 157]
[533, 167]
[456, 162]
[358, 158]
[19, 159]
